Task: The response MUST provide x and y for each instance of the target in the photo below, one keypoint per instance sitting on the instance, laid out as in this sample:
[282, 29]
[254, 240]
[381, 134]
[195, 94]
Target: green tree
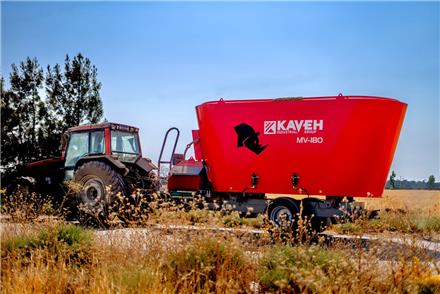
[393, 180]
[73, 95]
[32, 127]
[54, 125]
[431, 182]
[9, 123]
[24, 100]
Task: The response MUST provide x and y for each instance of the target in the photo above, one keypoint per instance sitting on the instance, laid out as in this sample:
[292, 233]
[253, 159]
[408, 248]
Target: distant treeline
[416, 185]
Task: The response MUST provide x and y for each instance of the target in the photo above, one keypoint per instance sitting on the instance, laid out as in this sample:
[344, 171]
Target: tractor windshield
[125, 142]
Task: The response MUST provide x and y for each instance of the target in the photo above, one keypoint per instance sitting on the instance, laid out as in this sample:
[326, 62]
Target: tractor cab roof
[113, 126]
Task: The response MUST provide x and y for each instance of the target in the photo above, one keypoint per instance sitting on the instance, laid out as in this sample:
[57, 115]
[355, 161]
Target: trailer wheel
[100, 185]
[283, 212]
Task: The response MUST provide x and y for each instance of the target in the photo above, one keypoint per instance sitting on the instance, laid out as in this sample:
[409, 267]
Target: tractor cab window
[82, 144]
[124, 142]
[78, 147]
[97, 142]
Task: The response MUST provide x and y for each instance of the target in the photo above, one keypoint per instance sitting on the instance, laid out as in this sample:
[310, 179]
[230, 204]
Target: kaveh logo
[247, 137]
[293, 126]
[270, 127]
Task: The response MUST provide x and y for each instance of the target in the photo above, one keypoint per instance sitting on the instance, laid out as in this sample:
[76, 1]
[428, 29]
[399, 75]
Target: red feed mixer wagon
[337, 146]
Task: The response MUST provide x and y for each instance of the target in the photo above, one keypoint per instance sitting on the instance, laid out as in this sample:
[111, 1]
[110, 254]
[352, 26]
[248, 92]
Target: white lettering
[308, 125]
[318, 124]
[298, 125]
[280, 125]
[312, 140]
[293, 126]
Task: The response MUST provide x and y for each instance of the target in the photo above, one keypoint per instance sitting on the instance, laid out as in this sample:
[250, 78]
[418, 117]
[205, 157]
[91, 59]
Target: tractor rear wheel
[99, 185]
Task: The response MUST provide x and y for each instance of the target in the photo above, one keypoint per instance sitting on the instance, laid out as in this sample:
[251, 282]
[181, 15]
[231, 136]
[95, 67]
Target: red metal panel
[340, 146]
[197, 146]
[108, 141]
[183, 182]
[44, 162]
[185, 176]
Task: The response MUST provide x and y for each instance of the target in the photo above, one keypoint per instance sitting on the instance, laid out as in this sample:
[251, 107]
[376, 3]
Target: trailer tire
[100, 185]
[283, 212]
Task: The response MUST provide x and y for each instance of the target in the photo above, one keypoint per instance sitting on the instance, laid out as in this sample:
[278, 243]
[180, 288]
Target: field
[411, 200]
[423, 200]
[42, 254]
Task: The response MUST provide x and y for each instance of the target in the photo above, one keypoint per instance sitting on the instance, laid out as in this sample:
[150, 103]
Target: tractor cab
[115, 142]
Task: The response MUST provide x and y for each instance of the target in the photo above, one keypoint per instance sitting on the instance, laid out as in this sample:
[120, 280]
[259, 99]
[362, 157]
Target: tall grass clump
[208, 265]
[301, 268]
[399, 221]
[46, 261]
[24, 206]
[68, 243]
[317, 269]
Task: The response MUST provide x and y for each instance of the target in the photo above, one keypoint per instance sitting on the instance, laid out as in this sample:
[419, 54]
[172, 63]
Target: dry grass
[31, 264]
[53, 257]
[415, 212]
[409, 200]
[62, 259]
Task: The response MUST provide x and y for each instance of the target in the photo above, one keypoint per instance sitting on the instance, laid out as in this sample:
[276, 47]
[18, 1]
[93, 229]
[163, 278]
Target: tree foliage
[431, 181]
[38, 108]
[22, 107]
[414, 185]
[74, 93]
[10, 121]
[392, 180]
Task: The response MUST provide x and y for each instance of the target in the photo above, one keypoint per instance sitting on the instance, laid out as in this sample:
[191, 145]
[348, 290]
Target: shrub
[300, 268]
[68, 243]
[24, 206]
[208, 265]
[394, 221]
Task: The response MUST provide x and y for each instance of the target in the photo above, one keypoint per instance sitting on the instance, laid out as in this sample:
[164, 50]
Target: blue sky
[158, 60]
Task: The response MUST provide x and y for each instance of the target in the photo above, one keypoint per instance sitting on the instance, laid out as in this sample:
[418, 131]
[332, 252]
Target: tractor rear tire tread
[108, 175]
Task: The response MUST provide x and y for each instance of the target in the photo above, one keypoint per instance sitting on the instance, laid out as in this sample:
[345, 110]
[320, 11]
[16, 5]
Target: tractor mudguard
[105, 158]
[145, 164]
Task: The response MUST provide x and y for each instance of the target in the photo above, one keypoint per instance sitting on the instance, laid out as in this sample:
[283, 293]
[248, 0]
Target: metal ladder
[170, 162]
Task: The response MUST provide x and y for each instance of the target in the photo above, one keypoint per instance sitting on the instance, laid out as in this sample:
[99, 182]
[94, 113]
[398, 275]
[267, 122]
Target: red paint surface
[197, 146]
[359, 137]
[44, 162]
[108, 141]
[185, 182]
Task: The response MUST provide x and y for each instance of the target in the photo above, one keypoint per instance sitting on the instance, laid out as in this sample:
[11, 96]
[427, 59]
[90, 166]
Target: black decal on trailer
[248, 138]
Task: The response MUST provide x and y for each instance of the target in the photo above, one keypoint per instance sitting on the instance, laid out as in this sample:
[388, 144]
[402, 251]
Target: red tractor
[98, 157]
